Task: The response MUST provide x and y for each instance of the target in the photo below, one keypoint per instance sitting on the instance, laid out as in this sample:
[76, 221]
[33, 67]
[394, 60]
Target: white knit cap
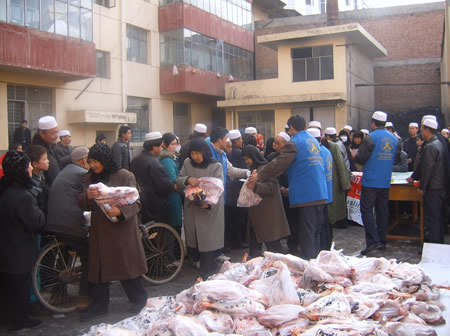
[413, 124]
[330, 131]
[430, 123]
[315, 124]
[445, 130]
[64, 133]
[365, 131]
[47, 122]
[315, 132]
[389, 124]
[234, 134]
[429, 116]
[153, 136]
[250, 130]
[379, 115]
[350, 128]
[200, 128]
[285, 136]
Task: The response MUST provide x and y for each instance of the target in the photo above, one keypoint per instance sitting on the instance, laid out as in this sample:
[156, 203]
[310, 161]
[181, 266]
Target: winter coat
[54, 167]
[233, 184]
[22, 136]
[115, 249]
[203, 228]
[63, 154]
[121, 154]
[155, 187]
[20, 220]
[432, 170]
[268, 218]
[64, 213]
[337, 210]
[168, 161]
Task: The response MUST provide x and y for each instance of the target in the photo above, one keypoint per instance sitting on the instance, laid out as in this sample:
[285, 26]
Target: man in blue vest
[308, 194]
[326, 233]
[377, 153]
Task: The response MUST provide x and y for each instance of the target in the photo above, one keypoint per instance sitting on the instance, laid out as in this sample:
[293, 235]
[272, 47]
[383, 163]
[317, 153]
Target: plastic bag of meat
[114, 197]
[208, 190]
[247, 198]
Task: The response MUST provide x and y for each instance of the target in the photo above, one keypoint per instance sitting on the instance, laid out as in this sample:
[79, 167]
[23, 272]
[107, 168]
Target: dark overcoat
[115, 249]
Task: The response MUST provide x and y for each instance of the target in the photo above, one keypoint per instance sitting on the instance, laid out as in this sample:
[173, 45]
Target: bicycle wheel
[164, 251]
[56, 278]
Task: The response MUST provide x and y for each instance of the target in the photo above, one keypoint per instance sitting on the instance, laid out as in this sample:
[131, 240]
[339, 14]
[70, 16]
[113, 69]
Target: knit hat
[314, 132]
[46, 123]
[15, 169]
[234, 134]
[79, 153]
[314, 124]
[64, 133]
[285, 136]
[379, 115]
[200, 128]
[330, 131]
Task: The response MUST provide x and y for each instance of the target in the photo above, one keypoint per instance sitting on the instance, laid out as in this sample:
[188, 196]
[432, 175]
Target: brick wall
[412, 36]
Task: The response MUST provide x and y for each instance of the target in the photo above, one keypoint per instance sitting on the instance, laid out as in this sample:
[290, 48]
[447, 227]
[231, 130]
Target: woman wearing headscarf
[19, 247]
[269, 147]
[115, 249]
[203, 223]
[267, 221]
[168, 160]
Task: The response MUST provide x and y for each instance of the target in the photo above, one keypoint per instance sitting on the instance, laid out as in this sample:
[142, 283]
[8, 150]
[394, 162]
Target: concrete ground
[351, 240]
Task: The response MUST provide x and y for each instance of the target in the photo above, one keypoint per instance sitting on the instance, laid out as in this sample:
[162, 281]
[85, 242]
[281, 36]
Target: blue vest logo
[312, 146]
[387, 145]
[329, 163]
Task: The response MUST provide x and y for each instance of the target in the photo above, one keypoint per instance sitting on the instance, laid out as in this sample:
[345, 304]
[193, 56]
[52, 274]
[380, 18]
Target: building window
[307, 2]
[106, 3]
[262, 120]
[182, 118]
[323, 6]
[137, 44]
[28, 103]
[238, 12]
[313, 63]
[103, 64]
[140, 106]
[183, 46]
[64, 17]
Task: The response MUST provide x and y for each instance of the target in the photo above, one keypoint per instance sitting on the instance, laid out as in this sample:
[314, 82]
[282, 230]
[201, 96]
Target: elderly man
[377, 154]
[410, 144]
[199, 132]
[433, 183]
[235, 217]
[63, 148]
[65, 218]
[153, 180]
[121, 148]
[47, 136]
[308, 193]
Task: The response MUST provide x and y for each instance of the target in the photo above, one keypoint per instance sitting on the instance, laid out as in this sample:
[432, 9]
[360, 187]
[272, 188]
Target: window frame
[140, 44]
[107, 64]
[307, 57]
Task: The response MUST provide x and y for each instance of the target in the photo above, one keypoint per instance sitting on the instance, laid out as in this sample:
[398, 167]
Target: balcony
[30, 50]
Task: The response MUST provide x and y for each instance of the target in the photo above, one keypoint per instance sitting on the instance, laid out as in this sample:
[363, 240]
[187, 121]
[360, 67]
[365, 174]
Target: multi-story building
[97, 64]
[308, 7]
[404, 81]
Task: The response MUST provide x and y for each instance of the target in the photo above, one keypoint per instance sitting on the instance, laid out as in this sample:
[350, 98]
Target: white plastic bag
[114, 197]
[248, 198]
[211, 187]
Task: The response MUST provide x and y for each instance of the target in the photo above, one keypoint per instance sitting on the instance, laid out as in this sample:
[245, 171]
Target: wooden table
[407, 192]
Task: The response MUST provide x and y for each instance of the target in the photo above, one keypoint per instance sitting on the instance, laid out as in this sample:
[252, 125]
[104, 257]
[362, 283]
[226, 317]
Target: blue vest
[222, 158]
[378, 168]
[328, 165]
[307, 181]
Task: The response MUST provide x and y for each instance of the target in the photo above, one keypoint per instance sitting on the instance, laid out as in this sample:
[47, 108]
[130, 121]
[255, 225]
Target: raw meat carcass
[216, 321]
[280, 314]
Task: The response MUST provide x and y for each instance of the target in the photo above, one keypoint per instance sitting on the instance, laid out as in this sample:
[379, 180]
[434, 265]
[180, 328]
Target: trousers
[309, 222]
[434, 215]
[255, 247]
[14, 296]
[326, 233]
[375, 229]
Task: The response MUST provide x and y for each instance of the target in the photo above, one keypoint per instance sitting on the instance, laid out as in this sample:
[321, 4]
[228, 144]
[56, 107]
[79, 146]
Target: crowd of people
[301, 175]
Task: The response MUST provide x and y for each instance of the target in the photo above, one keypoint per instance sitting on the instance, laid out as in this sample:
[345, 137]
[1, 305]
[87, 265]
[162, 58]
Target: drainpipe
[332, 13]
[123, 52]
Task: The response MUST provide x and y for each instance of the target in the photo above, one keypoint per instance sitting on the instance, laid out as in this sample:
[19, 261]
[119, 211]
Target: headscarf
[200, 145]
[255, 155]
[15, 168]
[102, 153]
[269, 146]
[168, 138]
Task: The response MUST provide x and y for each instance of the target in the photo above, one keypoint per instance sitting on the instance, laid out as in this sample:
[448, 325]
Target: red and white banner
[354, 198]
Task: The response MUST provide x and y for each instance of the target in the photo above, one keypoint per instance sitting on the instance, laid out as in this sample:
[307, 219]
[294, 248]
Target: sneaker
[29, 323]
[175, 264]
[222, 258]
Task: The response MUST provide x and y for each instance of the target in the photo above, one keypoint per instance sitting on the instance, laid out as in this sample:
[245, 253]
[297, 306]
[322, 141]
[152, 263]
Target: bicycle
[57, 272]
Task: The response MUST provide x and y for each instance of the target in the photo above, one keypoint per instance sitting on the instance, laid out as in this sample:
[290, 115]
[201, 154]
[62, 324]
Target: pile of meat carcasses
[283, 295]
